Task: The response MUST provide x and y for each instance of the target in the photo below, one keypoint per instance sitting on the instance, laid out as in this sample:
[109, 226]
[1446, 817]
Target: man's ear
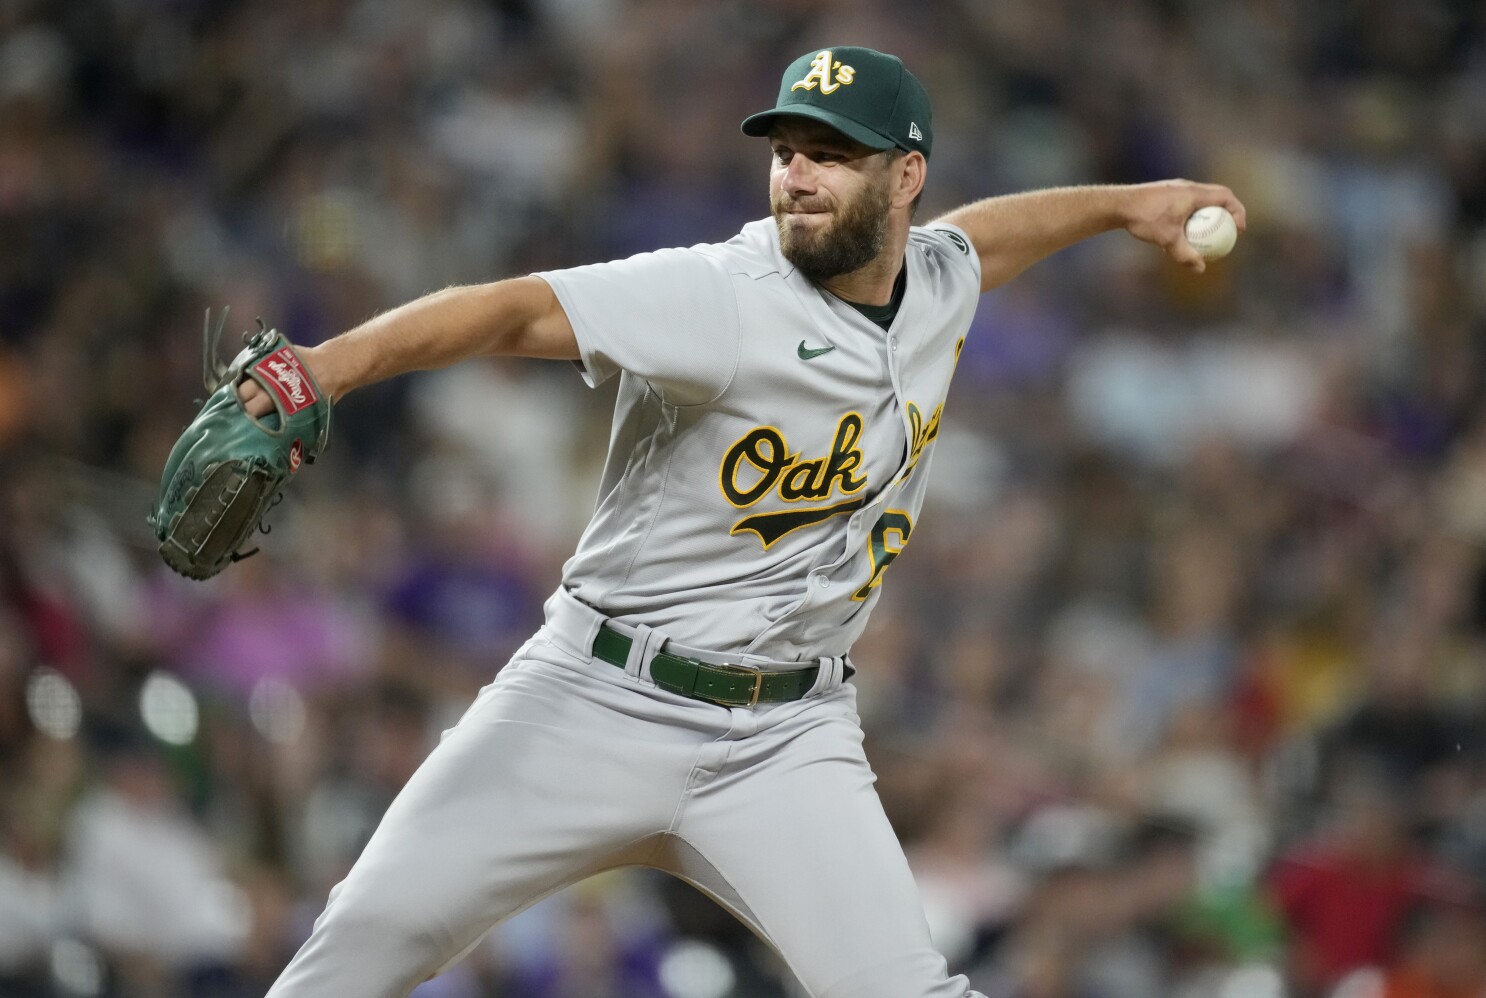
[911, 172]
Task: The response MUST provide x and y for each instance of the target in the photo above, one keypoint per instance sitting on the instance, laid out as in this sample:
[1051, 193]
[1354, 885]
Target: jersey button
[823, 582]
[892, 344]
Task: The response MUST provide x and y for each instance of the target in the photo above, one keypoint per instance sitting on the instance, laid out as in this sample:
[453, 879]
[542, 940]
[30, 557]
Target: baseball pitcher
[687, 704]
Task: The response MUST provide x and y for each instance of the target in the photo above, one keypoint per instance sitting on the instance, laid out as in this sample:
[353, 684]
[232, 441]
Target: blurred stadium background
[1180, 691]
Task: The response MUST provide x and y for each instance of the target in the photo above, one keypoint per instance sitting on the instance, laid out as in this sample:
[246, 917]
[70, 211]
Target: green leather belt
[727, 685]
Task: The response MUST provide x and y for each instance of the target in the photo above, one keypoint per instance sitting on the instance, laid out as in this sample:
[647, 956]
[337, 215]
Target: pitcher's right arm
[519, 317]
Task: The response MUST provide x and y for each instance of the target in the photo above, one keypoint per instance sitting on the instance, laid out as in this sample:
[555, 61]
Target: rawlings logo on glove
[228, 467]
[282, 372]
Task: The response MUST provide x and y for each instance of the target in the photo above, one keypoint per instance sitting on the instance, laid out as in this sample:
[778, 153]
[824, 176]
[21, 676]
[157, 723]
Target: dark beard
[852, 240]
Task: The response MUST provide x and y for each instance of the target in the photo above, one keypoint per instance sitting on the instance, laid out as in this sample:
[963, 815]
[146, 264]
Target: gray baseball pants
[566, 766]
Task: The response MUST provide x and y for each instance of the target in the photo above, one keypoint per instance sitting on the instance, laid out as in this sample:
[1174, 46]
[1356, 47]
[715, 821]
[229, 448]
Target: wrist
[322, 370]
[1121, 203]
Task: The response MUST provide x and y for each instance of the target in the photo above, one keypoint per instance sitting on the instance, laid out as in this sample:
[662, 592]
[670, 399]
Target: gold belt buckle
[758, 679]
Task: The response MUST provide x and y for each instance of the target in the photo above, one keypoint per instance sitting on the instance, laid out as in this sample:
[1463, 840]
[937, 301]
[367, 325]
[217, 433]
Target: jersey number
[889, 537]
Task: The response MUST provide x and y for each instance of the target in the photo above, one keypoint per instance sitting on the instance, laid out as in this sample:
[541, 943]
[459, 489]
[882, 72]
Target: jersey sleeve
[670, 317]
[952, 243]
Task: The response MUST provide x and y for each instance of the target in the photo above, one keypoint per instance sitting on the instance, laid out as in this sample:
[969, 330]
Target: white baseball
[1212, 231]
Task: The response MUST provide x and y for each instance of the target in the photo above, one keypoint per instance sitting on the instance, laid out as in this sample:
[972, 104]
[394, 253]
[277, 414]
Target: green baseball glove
[229, 468]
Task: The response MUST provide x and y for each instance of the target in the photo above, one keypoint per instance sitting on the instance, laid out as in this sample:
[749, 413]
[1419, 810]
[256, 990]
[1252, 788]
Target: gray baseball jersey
[770, 444]
[767, 463]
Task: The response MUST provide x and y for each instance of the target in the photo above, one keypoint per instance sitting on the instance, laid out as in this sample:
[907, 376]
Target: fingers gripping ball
[228, 468]
[1212, 231]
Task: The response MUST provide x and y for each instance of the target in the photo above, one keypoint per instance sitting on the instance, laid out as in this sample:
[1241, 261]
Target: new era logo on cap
[914, 133]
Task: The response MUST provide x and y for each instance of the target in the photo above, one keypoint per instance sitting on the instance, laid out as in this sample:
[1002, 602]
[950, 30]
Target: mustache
[785, 203]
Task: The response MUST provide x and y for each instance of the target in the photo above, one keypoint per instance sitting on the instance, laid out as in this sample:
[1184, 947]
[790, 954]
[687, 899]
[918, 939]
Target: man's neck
[873, 283]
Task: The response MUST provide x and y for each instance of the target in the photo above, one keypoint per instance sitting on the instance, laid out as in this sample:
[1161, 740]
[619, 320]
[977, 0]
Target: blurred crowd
[1181, 689]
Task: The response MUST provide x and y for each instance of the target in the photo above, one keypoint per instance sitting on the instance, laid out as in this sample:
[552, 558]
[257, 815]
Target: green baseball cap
[868, 95]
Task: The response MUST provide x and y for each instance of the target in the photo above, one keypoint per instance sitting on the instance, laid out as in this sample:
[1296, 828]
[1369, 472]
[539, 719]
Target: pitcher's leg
[792, 836]
[539, 784]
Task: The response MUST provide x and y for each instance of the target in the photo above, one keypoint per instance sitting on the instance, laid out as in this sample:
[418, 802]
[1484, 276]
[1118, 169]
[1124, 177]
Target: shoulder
[948, 253]
[753, 252]
[675, 267]
[941, 239]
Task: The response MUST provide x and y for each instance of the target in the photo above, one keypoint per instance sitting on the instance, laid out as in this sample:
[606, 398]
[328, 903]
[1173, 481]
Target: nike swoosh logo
[808, 353]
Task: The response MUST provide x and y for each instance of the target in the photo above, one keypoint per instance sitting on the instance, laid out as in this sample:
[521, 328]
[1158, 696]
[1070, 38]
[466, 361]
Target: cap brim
[759, 124]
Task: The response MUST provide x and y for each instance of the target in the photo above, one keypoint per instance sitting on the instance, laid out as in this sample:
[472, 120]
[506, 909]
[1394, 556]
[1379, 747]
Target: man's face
[829, 195]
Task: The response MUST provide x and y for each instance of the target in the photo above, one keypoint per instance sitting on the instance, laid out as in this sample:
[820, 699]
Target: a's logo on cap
[828, 74]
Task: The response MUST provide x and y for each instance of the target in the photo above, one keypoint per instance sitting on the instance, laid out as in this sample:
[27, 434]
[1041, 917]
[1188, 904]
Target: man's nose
[800, 175]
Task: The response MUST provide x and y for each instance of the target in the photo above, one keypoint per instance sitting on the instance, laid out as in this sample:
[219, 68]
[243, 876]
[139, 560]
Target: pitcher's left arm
[1014, 231]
